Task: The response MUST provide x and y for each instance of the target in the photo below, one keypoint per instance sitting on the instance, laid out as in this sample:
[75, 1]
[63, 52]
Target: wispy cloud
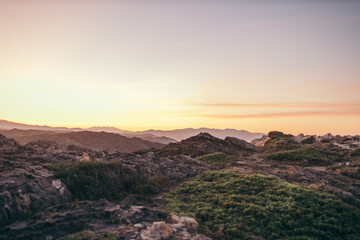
[314, 19]
[282, 105]
[282, 115]
[289, 110]
[350, 18]
[273, 22]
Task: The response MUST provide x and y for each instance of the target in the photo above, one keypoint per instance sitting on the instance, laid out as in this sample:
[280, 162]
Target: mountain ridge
[153, 135]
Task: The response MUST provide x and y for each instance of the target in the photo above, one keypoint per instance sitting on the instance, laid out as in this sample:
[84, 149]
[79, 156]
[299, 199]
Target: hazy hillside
[204, 143]
[97, 141]
[180, 134]
[4, 124]
[127, 133]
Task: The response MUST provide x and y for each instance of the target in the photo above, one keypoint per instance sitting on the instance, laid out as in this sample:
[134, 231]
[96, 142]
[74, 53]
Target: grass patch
[215, 158]
[89, 235]
[229, 205]
[303, 156]
[95, 180]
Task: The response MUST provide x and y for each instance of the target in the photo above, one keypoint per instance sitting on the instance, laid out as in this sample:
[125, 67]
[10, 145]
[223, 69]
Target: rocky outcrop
[7, 144]
[178, 228]
[26, 186]
[204, 143]
[135, 217]
[167, 170]
[241, 144]
[260, 142]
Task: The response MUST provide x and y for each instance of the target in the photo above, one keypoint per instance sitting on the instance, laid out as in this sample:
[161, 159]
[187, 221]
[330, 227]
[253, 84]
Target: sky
[292, 66]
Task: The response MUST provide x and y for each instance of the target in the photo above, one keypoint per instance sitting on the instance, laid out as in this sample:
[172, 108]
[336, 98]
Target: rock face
[135, 217]
[7, 143]
[204, 143]
[25, 185]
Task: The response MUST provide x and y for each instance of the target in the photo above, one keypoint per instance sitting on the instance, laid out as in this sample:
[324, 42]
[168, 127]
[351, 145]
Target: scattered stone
[157, 231]
[85, 157]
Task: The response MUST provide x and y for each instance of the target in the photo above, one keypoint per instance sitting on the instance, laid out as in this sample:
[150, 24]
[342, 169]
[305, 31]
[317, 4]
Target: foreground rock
[135, 217]
[25, 185]
[178, 228]
[36, 205]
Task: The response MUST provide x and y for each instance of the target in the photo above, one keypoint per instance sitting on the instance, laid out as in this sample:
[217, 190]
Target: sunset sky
[292, 66]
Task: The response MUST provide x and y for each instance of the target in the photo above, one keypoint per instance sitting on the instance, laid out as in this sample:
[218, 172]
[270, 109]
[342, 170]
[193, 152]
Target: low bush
[95, 180]
[229, 205]
[215, 158]
[303, 156]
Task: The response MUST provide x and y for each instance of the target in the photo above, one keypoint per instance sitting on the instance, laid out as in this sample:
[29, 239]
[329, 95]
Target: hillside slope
[98, 141]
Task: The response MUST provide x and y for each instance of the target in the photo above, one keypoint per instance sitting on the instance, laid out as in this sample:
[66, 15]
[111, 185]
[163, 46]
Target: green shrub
[95, 180]
[215, 158]
[304, 156]
[229, 205]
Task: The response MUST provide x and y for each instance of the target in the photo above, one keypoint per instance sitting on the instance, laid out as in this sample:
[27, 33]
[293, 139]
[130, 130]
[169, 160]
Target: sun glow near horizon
[256, 65]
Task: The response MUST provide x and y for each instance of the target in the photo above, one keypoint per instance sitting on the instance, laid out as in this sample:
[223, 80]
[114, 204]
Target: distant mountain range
[158, 136]
[180, 134]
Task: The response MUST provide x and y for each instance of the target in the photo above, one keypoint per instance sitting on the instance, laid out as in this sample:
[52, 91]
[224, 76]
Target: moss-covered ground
[230, 205]
[218, 158]
[306, 156]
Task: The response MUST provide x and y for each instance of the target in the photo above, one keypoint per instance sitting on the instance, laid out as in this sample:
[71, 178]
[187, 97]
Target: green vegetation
[302, 156]
[89, 235]
[353, 172]
[229, 205]
[309, 140]
[350, 170]
[355, 153]
[95, 180]
[215, 158]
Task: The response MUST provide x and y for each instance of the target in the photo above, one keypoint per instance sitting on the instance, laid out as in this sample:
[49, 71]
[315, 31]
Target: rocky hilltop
[204, 143]
[266, 189]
